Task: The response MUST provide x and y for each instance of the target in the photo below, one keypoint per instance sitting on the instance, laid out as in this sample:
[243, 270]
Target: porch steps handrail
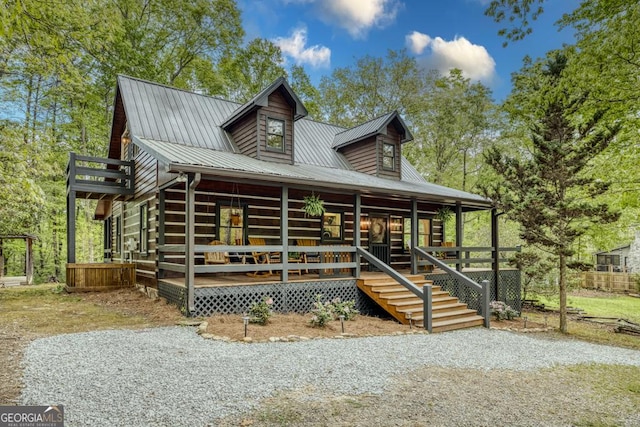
[425, 294]
[483, 288]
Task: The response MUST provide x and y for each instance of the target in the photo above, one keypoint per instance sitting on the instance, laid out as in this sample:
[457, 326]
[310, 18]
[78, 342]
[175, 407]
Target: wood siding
[362, 156]
[279, 109]
[145, 174]
[244, 134]
[392, 137]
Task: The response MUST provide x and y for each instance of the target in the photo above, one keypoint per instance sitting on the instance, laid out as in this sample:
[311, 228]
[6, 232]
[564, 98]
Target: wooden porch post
[414, 234]
[495, 253]
[162, 195]
[29, 260]
[71, 210]
[357, 212]
[459, 230]
[190, 231]
[284, 232]
[1, 258]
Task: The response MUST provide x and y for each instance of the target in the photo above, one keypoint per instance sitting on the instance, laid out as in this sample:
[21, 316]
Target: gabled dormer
[375, 147]
[263, 128]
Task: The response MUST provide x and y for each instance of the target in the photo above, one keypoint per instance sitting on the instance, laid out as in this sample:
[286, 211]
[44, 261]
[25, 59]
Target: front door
[379, 239]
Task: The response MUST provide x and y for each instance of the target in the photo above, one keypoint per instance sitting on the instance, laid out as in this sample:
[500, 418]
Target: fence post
[427, 300]
[486, 296]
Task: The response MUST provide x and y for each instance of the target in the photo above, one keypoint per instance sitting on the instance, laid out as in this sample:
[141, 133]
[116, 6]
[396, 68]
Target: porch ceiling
[180, 158]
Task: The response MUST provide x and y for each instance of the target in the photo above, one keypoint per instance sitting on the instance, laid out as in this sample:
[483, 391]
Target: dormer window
[388, 156]
[275, 135]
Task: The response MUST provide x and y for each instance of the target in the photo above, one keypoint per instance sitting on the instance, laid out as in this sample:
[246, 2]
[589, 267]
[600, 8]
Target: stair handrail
[425, 294]
[482, 288]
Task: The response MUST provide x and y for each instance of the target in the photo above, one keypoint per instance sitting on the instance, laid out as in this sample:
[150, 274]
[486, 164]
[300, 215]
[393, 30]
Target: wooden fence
[611, 282]
[100, 277]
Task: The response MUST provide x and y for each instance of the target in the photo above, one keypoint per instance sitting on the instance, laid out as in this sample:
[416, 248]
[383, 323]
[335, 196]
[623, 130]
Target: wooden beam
[190, 231]
[162, 195]
[459, 231]
[284, 232]
[357, 217]
[414, 234]
[29, 260]
[71, 227]
[496, 253]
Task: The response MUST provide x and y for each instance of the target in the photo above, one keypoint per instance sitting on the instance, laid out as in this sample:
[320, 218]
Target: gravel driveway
[173, 377]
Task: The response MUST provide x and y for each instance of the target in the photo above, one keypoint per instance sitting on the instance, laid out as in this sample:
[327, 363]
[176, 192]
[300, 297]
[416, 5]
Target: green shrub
[502, 311]
[260, 312]
[344, 308]
[323, 312]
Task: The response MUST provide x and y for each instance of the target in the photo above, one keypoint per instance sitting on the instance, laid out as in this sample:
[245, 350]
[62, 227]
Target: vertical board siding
[279, 109]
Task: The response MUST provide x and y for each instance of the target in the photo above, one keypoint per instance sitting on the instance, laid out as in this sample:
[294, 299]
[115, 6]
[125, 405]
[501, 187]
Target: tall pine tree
[549, 190]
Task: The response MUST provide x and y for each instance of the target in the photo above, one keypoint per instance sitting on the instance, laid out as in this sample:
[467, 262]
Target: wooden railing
[610, 282]
[462, 255]
[95, 176]
[100, 277]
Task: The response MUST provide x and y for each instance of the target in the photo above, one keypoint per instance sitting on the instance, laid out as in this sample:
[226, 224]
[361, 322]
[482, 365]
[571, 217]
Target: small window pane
[332, 226]
[388, 156]
[275, 134]
[231, 225]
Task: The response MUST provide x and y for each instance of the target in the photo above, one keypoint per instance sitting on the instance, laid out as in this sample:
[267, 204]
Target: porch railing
[482, 289]
[462, 255]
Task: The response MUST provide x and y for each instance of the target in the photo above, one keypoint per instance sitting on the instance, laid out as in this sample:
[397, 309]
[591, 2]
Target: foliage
[502, 311]
[534, 268]
[344, 308]
[313, 205]
[323, 312]
[519, 13]
[549, 191]
[444, 214]
[260, 312]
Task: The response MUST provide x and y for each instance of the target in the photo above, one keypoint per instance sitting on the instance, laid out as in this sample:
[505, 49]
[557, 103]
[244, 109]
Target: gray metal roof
[183, 129]
[365, 130]
[262, 100]
[217, 163]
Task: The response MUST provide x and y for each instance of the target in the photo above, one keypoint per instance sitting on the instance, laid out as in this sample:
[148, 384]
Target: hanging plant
[235, 218]
[313, 205]
[444, 214]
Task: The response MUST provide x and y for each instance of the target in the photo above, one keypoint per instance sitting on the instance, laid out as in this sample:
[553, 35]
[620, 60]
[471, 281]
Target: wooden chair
[216, 257]
[309, 256]
[262, 257]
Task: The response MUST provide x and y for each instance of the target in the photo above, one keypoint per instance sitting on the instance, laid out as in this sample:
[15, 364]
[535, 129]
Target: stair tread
[456, 321]
[437, 307]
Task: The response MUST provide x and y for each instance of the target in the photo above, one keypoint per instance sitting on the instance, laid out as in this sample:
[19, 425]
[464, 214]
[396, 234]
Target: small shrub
[344, 308]
[321, 313]
[260, 312]
[502, 311]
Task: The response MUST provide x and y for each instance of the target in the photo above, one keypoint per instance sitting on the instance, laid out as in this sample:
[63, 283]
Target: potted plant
[313, 205]
[444, 214]
[235, 218]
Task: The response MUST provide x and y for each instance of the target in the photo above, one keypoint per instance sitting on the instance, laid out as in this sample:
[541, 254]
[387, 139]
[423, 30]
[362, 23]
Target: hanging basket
[235, 219]
[313, 205]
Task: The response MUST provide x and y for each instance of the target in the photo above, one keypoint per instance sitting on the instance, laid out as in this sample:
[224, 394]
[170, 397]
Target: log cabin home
[205, 198]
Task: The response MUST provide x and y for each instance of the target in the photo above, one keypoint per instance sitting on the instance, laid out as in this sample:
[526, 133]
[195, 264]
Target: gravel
[171, 376]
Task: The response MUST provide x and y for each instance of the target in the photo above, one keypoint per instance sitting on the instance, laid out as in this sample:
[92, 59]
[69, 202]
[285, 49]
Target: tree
[306, 91]
[549, 190]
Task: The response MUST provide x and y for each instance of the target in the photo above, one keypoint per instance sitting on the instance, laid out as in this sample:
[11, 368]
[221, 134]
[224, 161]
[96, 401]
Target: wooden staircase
[448, 313]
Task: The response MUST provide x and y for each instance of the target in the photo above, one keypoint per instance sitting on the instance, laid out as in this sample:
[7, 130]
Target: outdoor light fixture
[341, 317]
[181, 177]
[245, 320]
[525, 322]
[408, 316]
[545, 321]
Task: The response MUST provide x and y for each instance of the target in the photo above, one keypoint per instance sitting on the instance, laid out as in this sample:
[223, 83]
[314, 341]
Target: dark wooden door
[379, 239]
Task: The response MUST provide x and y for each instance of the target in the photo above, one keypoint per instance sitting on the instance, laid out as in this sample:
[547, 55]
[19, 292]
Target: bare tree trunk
[563, 293]
[57, 246]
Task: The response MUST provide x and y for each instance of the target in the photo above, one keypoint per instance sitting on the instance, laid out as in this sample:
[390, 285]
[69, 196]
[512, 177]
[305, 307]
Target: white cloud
[356, 16]
[474, 60]
[294, 46]
[417, 42]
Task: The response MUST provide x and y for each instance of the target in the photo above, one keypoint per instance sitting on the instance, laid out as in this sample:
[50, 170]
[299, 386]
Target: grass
[601, 304]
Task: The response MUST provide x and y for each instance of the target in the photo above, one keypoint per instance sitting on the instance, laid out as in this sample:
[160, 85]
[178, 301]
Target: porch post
[357, 212]
[71, 226]
[284, 232]
[29, 260]
[495, 252]
[190, 231]
[414, 234]
[162, 195]
[458, 234]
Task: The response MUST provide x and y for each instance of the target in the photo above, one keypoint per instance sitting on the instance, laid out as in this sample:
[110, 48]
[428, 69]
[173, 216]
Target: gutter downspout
[190, 275]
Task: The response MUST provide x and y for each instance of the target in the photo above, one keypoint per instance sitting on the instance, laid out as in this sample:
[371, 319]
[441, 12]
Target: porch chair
[262, 257]
[216, 257]
[309, 256]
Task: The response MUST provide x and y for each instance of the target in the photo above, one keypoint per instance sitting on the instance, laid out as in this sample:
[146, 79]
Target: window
[332, 226]
[275, 135]
[119, 234]
[424, 233]
[388, 156]
[108, 237]
[231, 224]
[144, 229]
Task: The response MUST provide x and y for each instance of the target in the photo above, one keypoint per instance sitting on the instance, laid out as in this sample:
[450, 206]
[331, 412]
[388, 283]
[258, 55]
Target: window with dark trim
[108, 237]
[424, 233]
[332, 226]
[275, 134]
[388, 156]
[144, 229]
[231, 224]
[119, 234]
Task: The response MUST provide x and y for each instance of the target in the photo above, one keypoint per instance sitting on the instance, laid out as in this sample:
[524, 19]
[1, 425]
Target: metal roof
[217, 163]
[183, 129]
[372, 127]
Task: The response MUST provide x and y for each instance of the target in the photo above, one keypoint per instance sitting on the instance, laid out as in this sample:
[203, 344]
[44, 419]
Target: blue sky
[324, 34]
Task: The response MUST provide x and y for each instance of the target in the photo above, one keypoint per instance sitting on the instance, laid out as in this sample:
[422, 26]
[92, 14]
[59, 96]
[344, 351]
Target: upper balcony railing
[93, 177]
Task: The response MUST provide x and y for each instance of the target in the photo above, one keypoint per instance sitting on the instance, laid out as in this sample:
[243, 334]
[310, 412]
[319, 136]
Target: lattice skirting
[508, 289]
[287, 297]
